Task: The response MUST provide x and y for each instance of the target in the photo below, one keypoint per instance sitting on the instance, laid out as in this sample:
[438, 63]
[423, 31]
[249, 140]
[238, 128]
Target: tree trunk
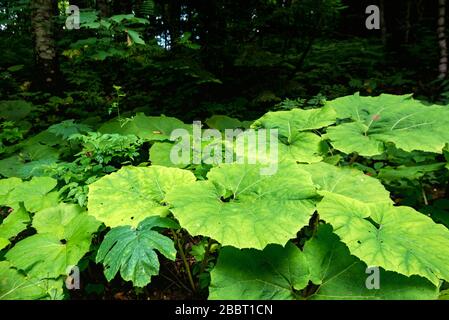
[45, 51]
[442, 39]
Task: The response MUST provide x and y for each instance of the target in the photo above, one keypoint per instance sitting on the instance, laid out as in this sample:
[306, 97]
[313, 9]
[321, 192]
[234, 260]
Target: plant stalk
[206, 256]
[184, 259]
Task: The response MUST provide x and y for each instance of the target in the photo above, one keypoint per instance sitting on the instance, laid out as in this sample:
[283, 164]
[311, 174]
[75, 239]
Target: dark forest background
[192, 58]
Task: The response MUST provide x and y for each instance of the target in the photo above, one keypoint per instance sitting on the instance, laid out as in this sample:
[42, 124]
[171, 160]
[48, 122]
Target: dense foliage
[336, 204]
[93, 204]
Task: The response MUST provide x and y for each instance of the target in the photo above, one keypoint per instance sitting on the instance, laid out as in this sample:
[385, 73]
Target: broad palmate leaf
[347, 182]
[400, 120]
[15, 223]
[291, 122]
[296, 145]
[299, 147]
[240, 207]
[145, 127]
[132, 251]
[397, 239]
[128, 196]
[63, 237]
[35, 194]
[16, 286]
[342, 276]
[272, 274]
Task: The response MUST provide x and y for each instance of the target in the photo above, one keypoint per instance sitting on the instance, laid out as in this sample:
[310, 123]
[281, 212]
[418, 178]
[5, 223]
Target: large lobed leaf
[347, 182]
[295, 143]
[132, 251]
[63, 237]
[297, 120]
[343, 277]
[16, 222]
[375, 121]
[398, 239]
[128, 196]
[240, 207]
[287, 273]
[276, 273]
[145, 127]
[15, 286]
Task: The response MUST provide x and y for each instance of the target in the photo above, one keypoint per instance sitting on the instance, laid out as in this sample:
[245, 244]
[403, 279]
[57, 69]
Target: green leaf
[87, 17]
[347, 182]
[291, 122]
[15, 166]
[16, 286]
[6, 186]
[444, 295]
[343, 277]
[160, 155]
[35, 194]
[272, 274]
[56, 220]
[301, 147]
[412, 173]
[240, 207]
[16, 222]
[224, 122]
[15, 110]
[350, 137]
[130, 195]
[295, 145]
[135, 36]
[397, 239]
[55, 247]
[148, 128]
[68, 127]
[120, 17]
[4, 243]
[356, 107]
[400, 120]
[132, 251]
[16, 68]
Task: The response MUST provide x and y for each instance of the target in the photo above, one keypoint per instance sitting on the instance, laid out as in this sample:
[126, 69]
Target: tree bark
[44, 42]
[442, 39]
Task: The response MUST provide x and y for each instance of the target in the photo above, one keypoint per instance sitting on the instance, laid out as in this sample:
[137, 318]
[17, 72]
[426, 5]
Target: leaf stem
[353, 159]
[183, 257]
[206, 256]
[424, 196]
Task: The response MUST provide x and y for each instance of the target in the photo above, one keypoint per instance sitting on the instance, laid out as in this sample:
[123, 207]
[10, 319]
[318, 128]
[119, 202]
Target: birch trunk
[44, 42]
